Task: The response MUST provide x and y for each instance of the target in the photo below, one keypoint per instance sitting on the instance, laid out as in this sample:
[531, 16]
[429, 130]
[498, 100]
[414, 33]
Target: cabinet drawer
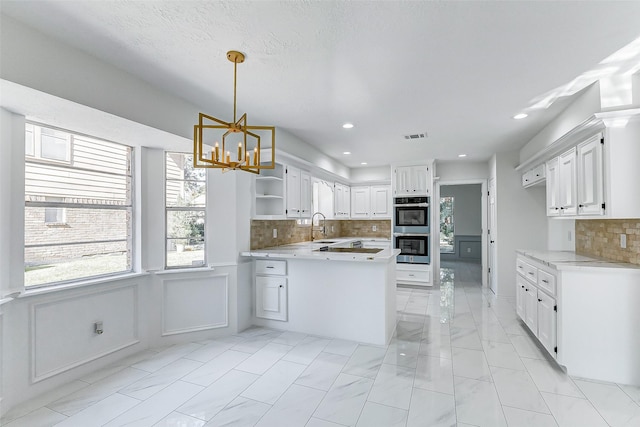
[527, 270]
[547, 282]
[266, 266]
[412, 276]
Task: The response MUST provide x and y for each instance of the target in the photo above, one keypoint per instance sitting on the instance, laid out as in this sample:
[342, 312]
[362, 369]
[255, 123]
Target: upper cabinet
[342, 201]
[269, 193]
[371, 201]
[298, 193]
[412, 181]
[590, 178]
[597, 174]
[535, 176]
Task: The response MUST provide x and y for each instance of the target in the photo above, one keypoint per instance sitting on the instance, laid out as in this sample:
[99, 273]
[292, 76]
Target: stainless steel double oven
[411, 229]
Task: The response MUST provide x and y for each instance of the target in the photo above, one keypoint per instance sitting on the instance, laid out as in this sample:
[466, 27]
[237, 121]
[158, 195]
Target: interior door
[493, 231]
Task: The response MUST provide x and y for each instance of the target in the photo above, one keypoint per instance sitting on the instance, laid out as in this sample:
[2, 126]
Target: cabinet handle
[520, 267]
[531, 273]
[411, 275]
[527, 290]
[269, 266]
[562, 208]
[539, 300]
[537, 174]
[522, 287]
[545, 281]
[281, 286]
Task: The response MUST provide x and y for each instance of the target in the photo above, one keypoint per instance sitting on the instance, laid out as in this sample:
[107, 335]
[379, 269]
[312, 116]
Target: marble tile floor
[459, 357]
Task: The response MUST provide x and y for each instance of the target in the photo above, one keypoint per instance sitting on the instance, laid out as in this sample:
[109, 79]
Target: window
[78, 213]
[47, 144]
[54, 216]
[185, 201]
[447, 241]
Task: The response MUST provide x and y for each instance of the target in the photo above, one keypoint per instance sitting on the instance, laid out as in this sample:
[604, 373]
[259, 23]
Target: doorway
[461, 218]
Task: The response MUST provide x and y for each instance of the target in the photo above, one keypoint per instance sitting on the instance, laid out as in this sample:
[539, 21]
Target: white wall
[584, 106]
[467, 208]
[561, 234]
[372, 174]
[521, 218]
[462, 170]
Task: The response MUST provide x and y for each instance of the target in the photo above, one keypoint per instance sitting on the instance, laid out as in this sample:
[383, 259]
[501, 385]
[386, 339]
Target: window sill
[81, 284]
[182, 270]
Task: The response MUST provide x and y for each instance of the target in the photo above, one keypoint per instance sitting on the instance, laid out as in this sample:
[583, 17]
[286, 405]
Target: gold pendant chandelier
[213, 130]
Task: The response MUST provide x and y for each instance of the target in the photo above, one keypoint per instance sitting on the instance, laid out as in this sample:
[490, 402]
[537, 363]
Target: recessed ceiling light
[347, 125]
[346, 152]
[462, 155]
[363, 163]
[520, 116]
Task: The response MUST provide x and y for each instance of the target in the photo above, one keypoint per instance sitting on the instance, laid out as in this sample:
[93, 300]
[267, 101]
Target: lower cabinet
[271, 290]
[534, 306]
[413, 274]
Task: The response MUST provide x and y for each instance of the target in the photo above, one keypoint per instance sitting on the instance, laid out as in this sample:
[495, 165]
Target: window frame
[58, 203]
[453, 243]
[167, 209]
[37, 144]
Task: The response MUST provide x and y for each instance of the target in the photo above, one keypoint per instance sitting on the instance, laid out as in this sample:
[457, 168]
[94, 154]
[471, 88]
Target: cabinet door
[403, 181]
[567, 172]
[305, 194]
[547, 322]
[553, 188]
[590, 183]
[360, 202]
[380, 201]
[337, 204]
[419, 177]
[346, 201]
[531, 308]
[271, 297]
[293, 192]
[521, 284]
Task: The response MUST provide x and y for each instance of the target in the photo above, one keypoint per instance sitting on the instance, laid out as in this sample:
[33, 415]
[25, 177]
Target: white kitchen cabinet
[271, 289]
[298, 193]
[305, 194]
[547, 322]
[269, 200]
[561, 185]
[361, 202]
[371, 201]
[323, 197]
[567, 172]
[342, 203]
[553, 188]
[531, 307]
[535, 302]
[271, 297]
[412, 181]
[590, 182]
[413, 274]
[381, 201]
[534, 176]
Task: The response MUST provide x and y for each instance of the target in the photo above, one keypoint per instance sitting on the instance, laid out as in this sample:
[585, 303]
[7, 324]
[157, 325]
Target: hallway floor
[459, 357]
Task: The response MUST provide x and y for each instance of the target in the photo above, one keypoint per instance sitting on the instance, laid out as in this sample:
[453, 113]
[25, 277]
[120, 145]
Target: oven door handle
[413, 205]
[410, 235]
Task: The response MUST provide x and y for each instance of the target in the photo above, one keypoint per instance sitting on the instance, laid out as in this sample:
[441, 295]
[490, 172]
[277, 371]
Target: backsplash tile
[601, 238]
[290, 232]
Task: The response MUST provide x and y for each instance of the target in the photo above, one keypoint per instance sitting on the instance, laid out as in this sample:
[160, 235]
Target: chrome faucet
[324, 228]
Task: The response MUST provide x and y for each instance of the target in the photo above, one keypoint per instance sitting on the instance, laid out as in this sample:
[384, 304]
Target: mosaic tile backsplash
[601, 238]
[290, 232]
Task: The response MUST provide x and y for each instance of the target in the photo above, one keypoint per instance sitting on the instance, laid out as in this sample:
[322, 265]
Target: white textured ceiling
[458, 70]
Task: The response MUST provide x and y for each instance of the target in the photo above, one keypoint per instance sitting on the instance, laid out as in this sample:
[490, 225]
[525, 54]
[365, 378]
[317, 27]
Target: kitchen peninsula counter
[569, 260]
[345, 295]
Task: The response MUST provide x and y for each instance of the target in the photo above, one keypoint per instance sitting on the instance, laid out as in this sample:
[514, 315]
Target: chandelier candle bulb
[255, 156]
[228, 156]
[239, 151]
[217, 153]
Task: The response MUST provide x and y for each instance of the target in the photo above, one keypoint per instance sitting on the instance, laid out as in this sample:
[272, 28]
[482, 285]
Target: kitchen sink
[324, 241]
[349, 250]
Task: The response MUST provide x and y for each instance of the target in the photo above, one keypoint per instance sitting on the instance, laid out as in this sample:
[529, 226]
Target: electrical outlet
[374, 228]
[569, 235]
[623, 241]
[97, 328]
[275, 233]
[468, 250]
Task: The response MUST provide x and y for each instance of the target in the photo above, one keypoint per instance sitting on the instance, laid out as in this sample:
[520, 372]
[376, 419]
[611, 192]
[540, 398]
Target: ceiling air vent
[413, 136]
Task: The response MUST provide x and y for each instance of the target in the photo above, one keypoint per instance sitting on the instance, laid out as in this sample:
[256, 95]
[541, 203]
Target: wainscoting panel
[63, 334]
[468, 248]
[194, 304]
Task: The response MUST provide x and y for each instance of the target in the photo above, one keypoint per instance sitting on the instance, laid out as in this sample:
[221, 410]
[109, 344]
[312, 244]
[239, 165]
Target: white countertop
[569, 260]
[307, 250]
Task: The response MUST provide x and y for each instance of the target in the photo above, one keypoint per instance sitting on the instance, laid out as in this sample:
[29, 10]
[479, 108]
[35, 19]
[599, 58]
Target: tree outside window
[446, 225]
